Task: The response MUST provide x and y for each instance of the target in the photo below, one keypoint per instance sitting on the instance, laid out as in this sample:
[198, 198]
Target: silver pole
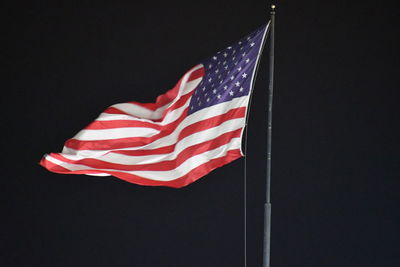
[267, 206]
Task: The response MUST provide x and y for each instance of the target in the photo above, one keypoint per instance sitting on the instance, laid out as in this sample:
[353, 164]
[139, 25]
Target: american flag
[189, 131]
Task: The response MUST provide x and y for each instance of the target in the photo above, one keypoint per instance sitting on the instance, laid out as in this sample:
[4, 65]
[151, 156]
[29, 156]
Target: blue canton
[228, 74]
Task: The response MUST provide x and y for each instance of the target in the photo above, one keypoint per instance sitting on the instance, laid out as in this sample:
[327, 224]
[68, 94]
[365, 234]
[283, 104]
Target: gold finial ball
[273, 6]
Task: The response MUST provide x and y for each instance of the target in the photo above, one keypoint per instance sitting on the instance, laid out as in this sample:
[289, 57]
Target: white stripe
[98, 174]
[138, 111]
[181, 170]
[115, 133]
[114, 117]
[194, 139]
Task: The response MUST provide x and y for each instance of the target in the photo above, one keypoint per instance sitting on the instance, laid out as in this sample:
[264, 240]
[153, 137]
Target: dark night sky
[336, 165]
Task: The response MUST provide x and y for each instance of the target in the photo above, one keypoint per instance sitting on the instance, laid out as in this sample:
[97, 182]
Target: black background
[335, 184]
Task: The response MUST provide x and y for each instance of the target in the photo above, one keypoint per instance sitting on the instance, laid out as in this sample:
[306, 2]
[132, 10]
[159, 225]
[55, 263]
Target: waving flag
[189, 131]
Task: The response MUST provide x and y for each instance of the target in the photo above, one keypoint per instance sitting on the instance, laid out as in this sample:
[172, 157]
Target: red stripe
[112, 110]
[159, 166]
[146, 152]
[196, 74]
[182, 181]
[167, 129]
[151, 106]
[100, 125]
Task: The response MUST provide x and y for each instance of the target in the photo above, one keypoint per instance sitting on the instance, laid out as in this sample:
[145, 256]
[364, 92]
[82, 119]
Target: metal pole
[267, 206]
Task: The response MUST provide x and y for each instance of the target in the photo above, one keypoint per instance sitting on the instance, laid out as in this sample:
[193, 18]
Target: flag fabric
[189, 131]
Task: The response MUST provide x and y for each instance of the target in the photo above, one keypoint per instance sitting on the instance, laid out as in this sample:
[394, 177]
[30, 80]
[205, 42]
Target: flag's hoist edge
[159, 144]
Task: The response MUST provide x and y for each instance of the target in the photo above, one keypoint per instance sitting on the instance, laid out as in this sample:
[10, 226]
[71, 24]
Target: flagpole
[267, 206]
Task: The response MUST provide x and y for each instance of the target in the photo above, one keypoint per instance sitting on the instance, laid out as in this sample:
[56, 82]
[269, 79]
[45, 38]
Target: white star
[215, 91]
[240, 42]
[243, 54]
[219, 96]
[210, 79]
[205, 94]
[217, 70]
[241, 48]
[232, 77]
[239, 69]
[225, 54]
[234, 51]
[233, 58]
[204, 88]
[226, 67]
[244, 75]
[231, 92]
[191, 107]
[252, 44]
[248, 38]
[220, 81]
[214, 57]
[241, 89]
[235, 63]
[219, 76]
[225, 87]
[223, 63]
[229, 47]
[237, 84]
[209, 66]
[247, 60]
[199, 103]
[198, 98]
[208, 99]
